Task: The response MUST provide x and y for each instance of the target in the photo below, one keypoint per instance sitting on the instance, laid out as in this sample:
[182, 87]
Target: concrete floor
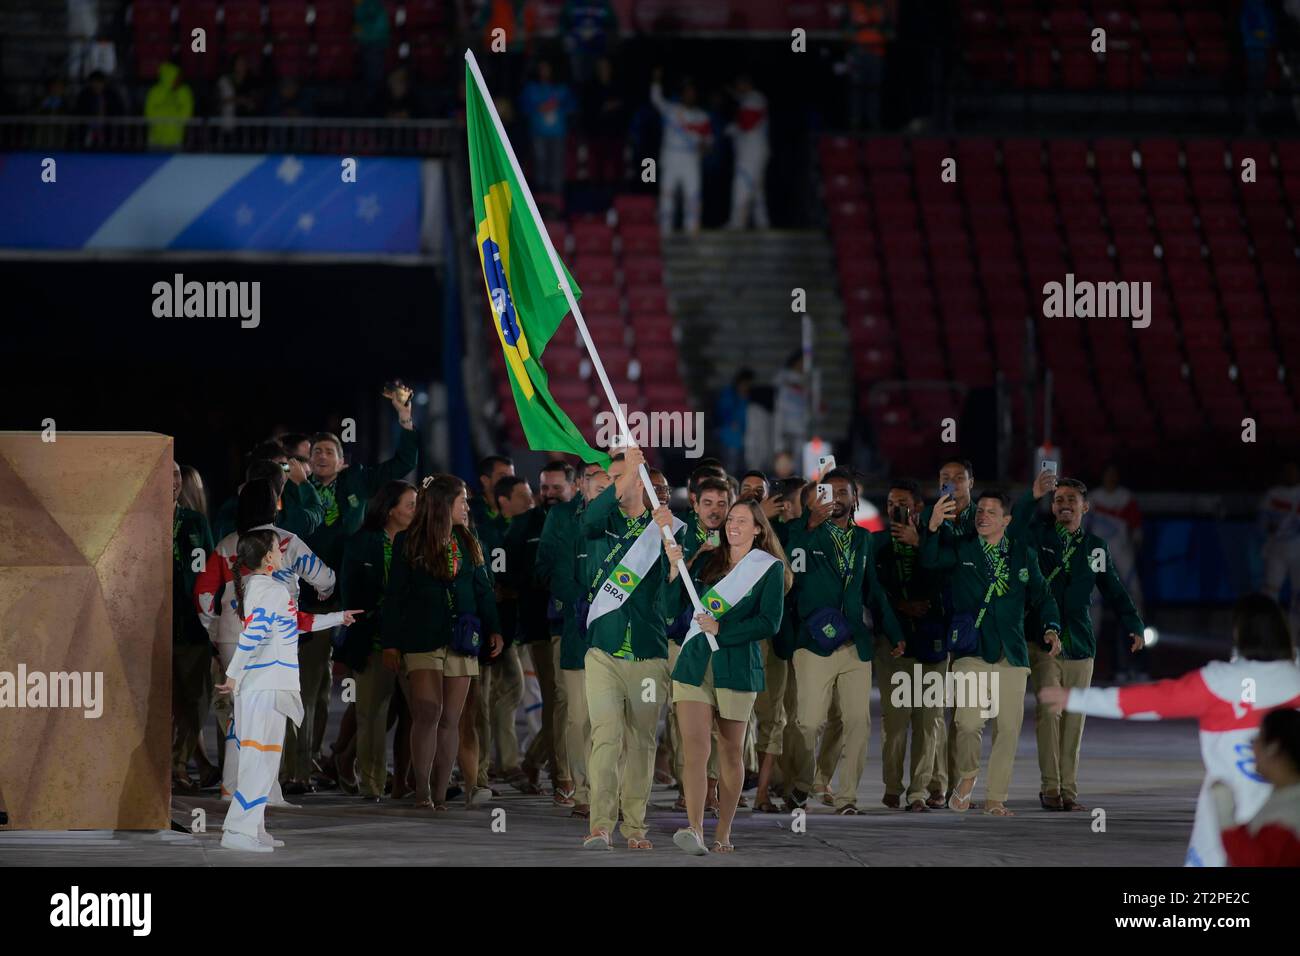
[1145, 776]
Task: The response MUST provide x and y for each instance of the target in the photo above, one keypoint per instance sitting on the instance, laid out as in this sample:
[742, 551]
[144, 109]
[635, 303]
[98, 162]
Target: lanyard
[998, 571]
[1073, 538]
[903, 564]
[330, 499]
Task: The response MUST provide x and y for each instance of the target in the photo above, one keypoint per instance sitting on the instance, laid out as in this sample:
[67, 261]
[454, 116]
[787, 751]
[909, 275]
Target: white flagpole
[596, 363]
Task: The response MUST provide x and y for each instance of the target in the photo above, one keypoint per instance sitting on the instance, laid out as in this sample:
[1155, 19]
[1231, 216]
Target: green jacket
[1003, 628]
[821, 585]
[417, 615]
[783, 642]
[1072, 586]
[738, 661]
[350, 490]
[190, 532]
[490, 526]
[522, 541]
[561, 559]
[903, 579]
[301, 511]
[603, 523]
[362, 583]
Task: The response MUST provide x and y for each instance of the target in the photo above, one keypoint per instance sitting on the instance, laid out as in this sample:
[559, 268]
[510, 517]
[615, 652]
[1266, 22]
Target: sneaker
[479, 795]
[242, 841]
[689, 840]
[266, 839]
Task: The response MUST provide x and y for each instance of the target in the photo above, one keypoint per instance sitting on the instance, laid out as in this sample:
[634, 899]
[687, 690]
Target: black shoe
[454, 792]
[751, 781]
[797, 800]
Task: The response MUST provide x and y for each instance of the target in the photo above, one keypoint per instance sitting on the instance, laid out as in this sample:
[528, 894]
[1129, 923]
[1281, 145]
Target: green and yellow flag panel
[523, 288]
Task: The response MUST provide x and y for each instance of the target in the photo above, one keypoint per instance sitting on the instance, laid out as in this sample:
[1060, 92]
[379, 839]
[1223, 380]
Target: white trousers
[679, 170]
[259, 745]
[748, 191]
[227, 715]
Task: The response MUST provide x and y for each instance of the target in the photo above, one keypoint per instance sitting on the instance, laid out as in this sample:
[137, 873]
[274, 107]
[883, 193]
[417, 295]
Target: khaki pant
[677, 755]
[1007, 683]
[625, 699]
[1059, 735]
[820, 678]
[769, 705]
[313, 670]
[500, 692]
[374, 694]
[944, 755]
[896, 720]
[548, 745]
[191, 698]
[831, 746]
[577, 732]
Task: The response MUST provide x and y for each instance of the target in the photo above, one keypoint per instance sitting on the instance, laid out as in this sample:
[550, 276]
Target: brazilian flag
[523, 287]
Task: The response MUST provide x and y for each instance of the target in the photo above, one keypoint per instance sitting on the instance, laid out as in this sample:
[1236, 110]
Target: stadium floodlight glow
[1150, 636]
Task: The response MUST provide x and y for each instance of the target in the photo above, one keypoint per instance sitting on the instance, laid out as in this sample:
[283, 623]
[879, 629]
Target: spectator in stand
[687, 135]
[748, 179]
[604, 117]
[1279, 519]
[791, 411]
[237, 93]
[289, 99]
[516, 21]
[547, 106]
[1114, 517]
[590, 30]
[397, 101]
[54, 102]
[864, 20]
[99, 100]
[168, 106]
[370, 27]
[1258, 36]
[733, 405]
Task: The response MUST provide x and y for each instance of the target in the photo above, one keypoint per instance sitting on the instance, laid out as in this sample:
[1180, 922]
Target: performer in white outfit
[1228, 698]
[687, 134]
[257, 499]
[263, 676]
[749, 134]
[1279, 518]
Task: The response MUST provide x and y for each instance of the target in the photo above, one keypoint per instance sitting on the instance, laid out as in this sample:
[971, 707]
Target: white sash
[631, 568]
[724, 595]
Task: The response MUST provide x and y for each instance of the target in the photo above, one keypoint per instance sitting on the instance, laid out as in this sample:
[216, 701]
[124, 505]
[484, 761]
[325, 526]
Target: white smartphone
[825, 494]
[1049, 466]
[825, 463]
[714, 538]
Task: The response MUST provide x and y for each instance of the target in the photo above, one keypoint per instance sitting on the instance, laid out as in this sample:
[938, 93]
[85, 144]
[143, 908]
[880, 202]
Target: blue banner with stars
[209, 203]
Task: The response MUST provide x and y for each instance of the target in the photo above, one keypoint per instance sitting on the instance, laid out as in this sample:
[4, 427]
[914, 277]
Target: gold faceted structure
[85, 597]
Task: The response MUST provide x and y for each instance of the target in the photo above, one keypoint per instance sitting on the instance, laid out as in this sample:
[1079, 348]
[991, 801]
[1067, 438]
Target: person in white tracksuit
[687, 135]
[1279, 518]
[1229, 700]
[214, 593]
[262, 673]
[749, 134]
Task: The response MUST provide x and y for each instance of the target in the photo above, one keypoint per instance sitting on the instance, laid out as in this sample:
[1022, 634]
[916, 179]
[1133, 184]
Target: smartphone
[714, 538]
[1049, 466]
[825, 463]
[395, 389]
[947, 488]
[284, 466]
[900, 515]
[825, 494]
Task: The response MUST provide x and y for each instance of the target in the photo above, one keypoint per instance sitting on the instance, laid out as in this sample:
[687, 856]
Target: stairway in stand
[731, 293]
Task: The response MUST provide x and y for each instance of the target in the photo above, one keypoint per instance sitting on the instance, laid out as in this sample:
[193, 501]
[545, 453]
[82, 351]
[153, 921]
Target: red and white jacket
[218, 578]
[1229, 699]
[1272, 837]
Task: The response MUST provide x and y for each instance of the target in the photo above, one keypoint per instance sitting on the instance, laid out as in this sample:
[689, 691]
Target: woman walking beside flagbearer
[742, 584]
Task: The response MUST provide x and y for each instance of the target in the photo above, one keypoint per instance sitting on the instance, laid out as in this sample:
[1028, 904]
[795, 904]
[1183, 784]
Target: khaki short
[444, 659]
[730, 704]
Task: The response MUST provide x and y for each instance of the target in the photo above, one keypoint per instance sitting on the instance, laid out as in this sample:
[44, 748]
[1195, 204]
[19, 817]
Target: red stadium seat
[333, 18]
[197, 15]
[151, 18]
[289, 19]
[242, 17]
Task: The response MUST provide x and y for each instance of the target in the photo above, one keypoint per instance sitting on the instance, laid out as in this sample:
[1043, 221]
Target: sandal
[1071, 805]
[767, 806]
[597, 841]
[936, 801]
[917, 806]
[848, 810]
[720, 847]
[440, 808]
[639, 843]
[582, 810]
[688, 839]
[998, 810]
[664, 778]
[891, 800]
[955, 798]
